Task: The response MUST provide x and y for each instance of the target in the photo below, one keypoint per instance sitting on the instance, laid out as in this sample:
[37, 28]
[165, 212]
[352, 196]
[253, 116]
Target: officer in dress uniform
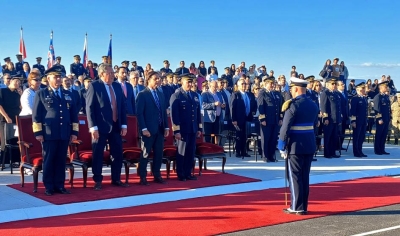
[313, 96]
[297, 144]
[382, 111]
[330, 106]
[358, 118]
[61, 67]
[77, 67]
[55, 124]
[269, 106]
[186, 124]
[19, 65]
[39, 66]
[6, 61]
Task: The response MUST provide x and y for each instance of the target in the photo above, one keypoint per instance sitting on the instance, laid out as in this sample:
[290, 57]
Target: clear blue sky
[279, 34]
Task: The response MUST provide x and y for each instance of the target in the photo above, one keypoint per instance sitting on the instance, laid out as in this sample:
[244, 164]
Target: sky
[278, 34]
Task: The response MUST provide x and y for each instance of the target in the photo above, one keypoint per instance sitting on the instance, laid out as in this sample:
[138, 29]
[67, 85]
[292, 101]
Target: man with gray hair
[134, 79]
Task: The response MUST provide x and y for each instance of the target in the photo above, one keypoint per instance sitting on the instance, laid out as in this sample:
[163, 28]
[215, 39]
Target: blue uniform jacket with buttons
[359, 110]
[382, 107]
[185, 112]
[297, 131]
[330, 105]
[77, 69]
[55, 118]
[269, 107]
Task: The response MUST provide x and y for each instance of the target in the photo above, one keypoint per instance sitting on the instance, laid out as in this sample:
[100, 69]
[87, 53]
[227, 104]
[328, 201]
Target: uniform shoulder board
[286, 105]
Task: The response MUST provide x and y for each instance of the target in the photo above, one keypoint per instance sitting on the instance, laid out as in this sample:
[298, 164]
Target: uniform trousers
[331, 138]
[115, 143]
[54, 162]
[358, 138]
[240, 145]
[298, 169]
[269, 140]
[380, 137]
[153, 143]
[185, 155]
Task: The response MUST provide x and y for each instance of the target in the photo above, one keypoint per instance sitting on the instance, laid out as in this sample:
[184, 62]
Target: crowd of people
[240, 100]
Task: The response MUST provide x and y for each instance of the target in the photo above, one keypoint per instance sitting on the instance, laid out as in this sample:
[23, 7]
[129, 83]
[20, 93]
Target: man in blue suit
[182, 70]
[127, 89]
[240, 113]
[134, 79]
[106, 114]
[212, 107]
[153, 124]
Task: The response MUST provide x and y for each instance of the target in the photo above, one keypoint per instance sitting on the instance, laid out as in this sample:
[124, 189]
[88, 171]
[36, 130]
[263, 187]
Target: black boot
[396, 141]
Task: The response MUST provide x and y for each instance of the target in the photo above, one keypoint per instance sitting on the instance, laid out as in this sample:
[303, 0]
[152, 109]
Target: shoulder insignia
[286, 105]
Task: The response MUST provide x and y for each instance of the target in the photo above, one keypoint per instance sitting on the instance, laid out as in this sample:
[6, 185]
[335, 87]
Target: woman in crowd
[301, 76]
[344, 73]
[236, 76]
[27, 69]
[201, 74]
[368, 85]
[317, 88]
[147, 70]
[233, 69]
[193, 69]
[10, 69]
[252, 74]
[376, 82]
[116, 69]
[326, 70]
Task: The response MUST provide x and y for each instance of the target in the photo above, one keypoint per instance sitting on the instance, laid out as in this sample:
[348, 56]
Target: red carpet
[79, 194]
[215, 215]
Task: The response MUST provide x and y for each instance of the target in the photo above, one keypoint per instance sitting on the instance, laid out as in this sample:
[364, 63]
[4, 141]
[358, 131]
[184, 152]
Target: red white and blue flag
[51, 57]
[109, 54]
[85, 53]
[22, 49]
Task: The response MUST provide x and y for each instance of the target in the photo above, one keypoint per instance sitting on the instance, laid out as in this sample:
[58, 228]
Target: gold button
[60, 111]
[61, 117]
[60, 123]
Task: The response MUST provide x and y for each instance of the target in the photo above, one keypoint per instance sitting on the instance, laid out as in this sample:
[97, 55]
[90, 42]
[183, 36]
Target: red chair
[31, 152]
[81, 150]
[205, 151]
[169, 152]
[131, 150]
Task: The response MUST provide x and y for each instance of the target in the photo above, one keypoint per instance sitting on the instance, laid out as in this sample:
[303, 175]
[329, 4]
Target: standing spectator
[212, 76]
[127, 89]
[344, 73]
[77, 68]
[395, 107]
[134, 81]
[28, 95]
[39, 66]
[228, 77]
[212, 65]
[147, 70]
[344, 104]
[193, 69]
[166, 68]
[236, 76]
[352, 88]
[91, 72]
[294, 71]
[86, 83]
[202, 74]
[243, 68]
[58, 64]
[137, 68]
[181, 70]
[76, 98]
[252, 74]
[212, 106]
[336, 69]
[301, 76]
[26, 70]
[232, 69]
[368, 86]
[19, 64]
[392, 88]
[326, 70]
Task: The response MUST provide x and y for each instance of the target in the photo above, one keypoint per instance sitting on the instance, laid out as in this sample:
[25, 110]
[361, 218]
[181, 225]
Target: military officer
[77, 68]
[55, 124]
[311, 94]
[186, 124]
[19, 65]
[330, 106]
[39, 66]
[297, 144]
[7, 60]
[269, 106]
[126, 65]
[358, 118]
[382, 111]
[58, 64]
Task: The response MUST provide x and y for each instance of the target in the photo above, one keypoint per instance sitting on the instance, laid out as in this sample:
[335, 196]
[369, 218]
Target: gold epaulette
[176, 127]
[353, 118]
[286, 105]
[37, 127]
[324, 115]
[379, 115]
[261, 117]
[75, 127]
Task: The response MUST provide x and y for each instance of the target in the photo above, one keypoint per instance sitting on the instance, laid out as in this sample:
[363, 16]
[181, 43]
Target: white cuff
[124, 126]
[94, 128]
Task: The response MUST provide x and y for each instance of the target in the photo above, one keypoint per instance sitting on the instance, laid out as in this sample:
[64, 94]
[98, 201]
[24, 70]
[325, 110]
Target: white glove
[283, 154]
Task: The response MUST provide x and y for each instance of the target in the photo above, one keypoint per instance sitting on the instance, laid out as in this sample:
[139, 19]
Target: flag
[51, 57]
[109, 54]
[85, 53]
[22, 49]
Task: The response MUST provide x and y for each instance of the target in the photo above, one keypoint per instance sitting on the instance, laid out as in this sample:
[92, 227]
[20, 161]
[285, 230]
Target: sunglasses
[35, 80]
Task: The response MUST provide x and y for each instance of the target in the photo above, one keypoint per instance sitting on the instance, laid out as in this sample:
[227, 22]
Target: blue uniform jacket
[269, 107]
[359, 109]
[330, 105]
[185, 112]
[382, 107]
[53, 117]
[77, 69]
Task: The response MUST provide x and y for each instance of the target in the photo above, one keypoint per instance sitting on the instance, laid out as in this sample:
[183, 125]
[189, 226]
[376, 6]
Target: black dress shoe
[97, 186]
[119, 184]
[328, 157]
[192, 177]
[144, 182]
[62, 191]
[314, 159]
[48, 192]
[363, 155]
[335, 156]
[344, 149]
[378, 153]
[288, 211]
[246, 155]
[182, 179]
[159, 180]
[385, 153]
[359, 156]
[238, 155]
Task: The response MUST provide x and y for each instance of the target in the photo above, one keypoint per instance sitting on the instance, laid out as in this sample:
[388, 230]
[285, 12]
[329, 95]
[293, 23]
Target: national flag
[51, 57]
[22, 49]
[85, 53]
[109, 54]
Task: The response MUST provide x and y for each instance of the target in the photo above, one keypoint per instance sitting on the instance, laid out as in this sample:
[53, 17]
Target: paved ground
[19, 206]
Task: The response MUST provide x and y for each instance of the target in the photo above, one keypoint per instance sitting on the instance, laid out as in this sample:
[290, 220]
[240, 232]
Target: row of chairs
[80, 151]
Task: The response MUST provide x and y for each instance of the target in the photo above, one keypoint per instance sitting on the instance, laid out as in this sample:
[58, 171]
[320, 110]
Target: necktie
[113, 103]
[188, 93]
[123, 88]
[246, 99]
[57, 94]
[158, 106]
[135, 91]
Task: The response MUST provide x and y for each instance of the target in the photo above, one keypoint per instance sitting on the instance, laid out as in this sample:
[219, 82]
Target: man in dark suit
[77, 68]
[344, 104]
[186, 124]
[212, 106]
[182, 69]
[55, 124]
[106, 114]
[127, 89]
[76, 97]
[39, 66]
[86, 83]
[134, 79]
[153, 123]
[240, 103]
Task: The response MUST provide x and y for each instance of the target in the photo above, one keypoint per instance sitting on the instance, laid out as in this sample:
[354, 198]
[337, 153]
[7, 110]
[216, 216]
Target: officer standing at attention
[58, 64]
[55, 124]
[331, 117]
[186, 124]
[358, 118]
[297, 144]
[77, 67]
[269, 107]
[382, 111]
[39, 66]
[19, 65]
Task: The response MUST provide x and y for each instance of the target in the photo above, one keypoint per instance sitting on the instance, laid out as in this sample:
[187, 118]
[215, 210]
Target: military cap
[19, 55]
[331, 80]
[360, 85]
[17, 77]
[310, 78]
[383, 83]
[87, 79]
[104, 57]
[268, 79]
[125, 62]
[77, 56]
[55, 70]
[186, 77]
[7, 59]
[298, 82]
[58, 57]
[38, 58]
